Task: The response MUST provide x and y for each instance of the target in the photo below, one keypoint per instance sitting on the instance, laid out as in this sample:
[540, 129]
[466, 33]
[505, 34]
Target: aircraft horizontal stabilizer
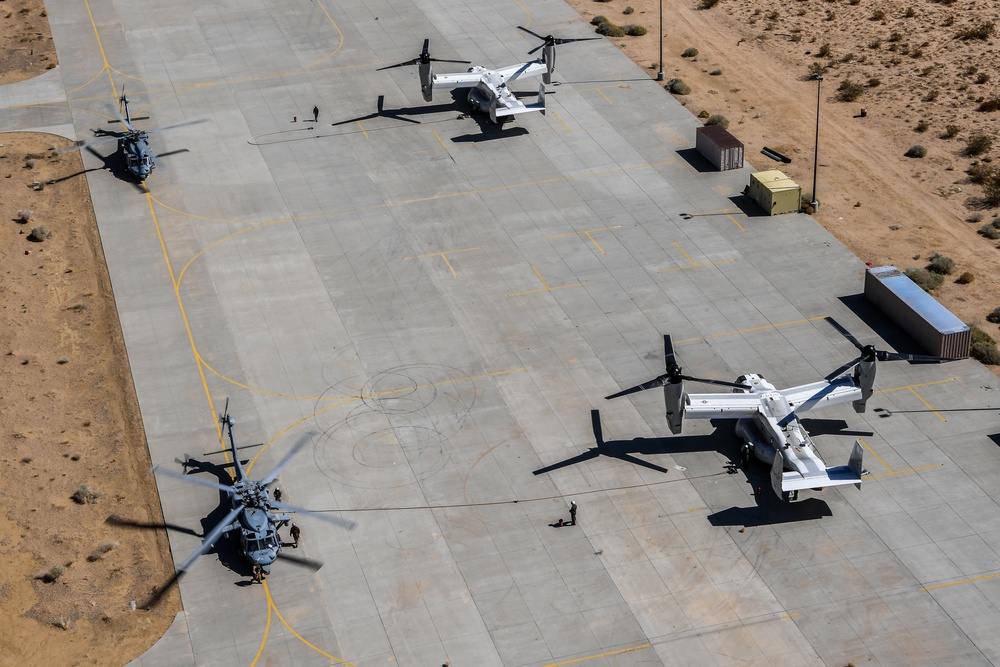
[835, 476]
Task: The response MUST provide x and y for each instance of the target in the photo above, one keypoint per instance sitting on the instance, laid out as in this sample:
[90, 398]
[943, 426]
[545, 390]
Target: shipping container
[719, 147]
[775, 193]
[918, 313]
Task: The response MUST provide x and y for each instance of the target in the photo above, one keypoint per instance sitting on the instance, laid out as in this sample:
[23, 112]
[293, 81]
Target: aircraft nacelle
[673, 396]
[864, 377]
[426, 81]
[549, 58]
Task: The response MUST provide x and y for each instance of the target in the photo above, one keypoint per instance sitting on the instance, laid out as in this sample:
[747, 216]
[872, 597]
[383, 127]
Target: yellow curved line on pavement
[267, 630]
[270, 602]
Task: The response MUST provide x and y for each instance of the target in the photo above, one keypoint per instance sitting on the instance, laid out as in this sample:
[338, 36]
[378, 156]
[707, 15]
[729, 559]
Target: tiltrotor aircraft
[253, 512]
[133, 143]
[768, 418]
[489, 89]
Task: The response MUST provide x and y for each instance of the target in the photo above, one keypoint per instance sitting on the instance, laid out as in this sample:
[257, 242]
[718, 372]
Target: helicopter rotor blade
[668, 352]
[211, 538]
[193, 480]
[176, 125]
[563, 40]
[80, 145]
[301, 560]
[343, 523]
[299, 444]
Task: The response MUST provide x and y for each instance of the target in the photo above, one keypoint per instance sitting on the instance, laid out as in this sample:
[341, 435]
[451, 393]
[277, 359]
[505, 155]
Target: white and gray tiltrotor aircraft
[489, 89]
[768, 418]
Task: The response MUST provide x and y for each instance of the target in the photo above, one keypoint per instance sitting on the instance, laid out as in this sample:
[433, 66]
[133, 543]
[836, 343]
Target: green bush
[707, 4]
[598, 20]
[990, 230]
[716, 72]
[916, 151]
[689, 52]
[848, 91]
[982, 31]
[978, 144]
[941, 264]
[609, 29]
[924, 278]
[980, 336]
[994, 317]
[990, 105]
[985, 353]
[678, 87]
[991, 189]
[54, 573]
[718, 119]
[629, 10]
[633, 30]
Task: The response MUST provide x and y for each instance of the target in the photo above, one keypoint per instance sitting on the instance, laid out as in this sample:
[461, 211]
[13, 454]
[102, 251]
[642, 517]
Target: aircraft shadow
[624, 449]
[771, 510]
[831, 427]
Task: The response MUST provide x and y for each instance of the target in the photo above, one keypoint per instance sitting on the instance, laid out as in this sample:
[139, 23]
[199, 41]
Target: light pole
[815, 202]
[659, 75]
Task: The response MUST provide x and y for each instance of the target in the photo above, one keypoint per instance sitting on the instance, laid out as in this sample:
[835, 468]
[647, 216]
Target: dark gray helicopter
[133, 143]
[252, 510]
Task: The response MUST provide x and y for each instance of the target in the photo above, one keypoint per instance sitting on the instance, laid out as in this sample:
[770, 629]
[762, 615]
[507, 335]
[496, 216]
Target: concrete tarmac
[443, 305]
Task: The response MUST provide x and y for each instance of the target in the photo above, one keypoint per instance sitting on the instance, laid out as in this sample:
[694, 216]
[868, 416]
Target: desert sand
[73, 447]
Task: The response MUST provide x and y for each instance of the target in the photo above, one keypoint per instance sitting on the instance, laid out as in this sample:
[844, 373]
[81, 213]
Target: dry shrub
[848, 90]
[978, 144]
[965, 278]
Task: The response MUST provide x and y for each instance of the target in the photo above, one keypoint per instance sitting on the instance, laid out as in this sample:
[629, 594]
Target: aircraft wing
[721, 406]
[819, 394]
[515, 72]
[458, 80]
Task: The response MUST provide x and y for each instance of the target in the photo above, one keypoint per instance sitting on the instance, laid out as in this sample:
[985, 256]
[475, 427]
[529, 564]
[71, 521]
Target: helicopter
[489, 90]
[253, 514]
[133, 143]
[768, 418]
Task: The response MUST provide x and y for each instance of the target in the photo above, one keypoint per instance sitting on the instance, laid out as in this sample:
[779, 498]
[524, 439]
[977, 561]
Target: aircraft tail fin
[835, 476]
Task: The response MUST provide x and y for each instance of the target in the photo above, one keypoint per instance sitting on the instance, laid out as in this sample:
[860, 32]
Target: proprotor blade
[652, 384]
[668, 352]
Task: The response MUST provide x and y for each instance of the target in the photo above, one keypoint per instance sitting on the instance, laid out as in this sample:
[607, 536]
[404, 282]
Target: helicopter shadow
[114, 162]
[623, 450]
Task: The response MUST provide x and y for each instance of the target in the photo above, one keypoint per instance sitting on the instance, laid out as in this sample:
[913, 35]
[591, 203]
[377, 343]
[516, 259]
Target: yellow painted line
[788, 616]
[908, 470]
[696, 509]
[875, 454]
[187, 324]
[546, 287]
[735, 221]
[443, 255]
[270, 602]
[691, 263]
[599, 655]
[556, 116]
[440, 140]
[363, 130]
[589, 234]
[963, 581]
[914, 392]
[601, 93]
[267, 631]
[910, 386]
